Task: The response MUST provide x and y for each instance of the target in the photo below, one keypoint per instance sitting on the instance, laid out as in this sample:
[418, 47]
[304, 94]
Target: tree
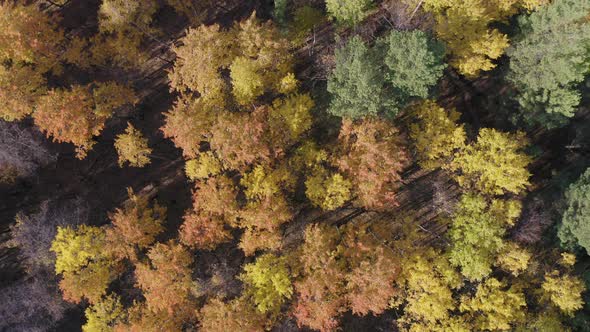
[476, 233]
[495, 164]
[204, 51]
[34, 233]
[132, 148]
[373, 268]
[549, 60]
[513, 259]
[76, 115]
[494, 306]
[290, 117]
[575, 222]
[166, 279]
[327, 190]
[236, 315]
[29, 36]
[356, 82]
[319, 293]
[414, 63]
[349, 12]
[247, 82]
[267, 281]
[203, 166]
[20, 88]
[426, 283]
[139, 318]
[194, 10]
[436, 134]
[103, 315]
[372, 154]
[240, 139]
[342, 269]
[464, 26]
[134, 226]
[256, 55]
[116, 15]
[214, 206]
[82, 261]
[263, 44]
[564, 291]
[188, 124]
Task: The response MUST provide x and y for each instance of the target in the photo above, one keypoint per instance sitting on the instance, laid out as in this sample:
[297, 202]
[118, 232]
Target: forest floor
[101, 183]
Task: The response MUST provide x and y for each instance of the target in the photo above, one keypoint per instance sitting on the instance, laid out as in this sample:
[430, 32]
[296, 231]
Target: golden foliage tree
[132, 148]
[495, 164]
[327, 190]
[82, 260]
[436, 134]
[495, 306]
[465, 27]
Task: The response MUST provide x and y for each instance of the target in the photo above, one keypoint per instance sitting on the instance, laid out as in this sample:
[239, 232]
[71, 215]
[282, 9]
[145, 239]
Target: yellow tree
[495, 164]
[464, 26]
[206, 164]
[494, 306]
[426, 285]
[327, 190]
[82, 260]
[436, 134]
[132, 148]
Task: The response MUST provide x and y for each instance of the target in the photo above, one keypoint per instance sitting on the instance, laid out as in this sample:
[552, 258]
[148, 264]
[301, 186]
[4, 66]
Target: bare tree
[22, 149]
[33, 233]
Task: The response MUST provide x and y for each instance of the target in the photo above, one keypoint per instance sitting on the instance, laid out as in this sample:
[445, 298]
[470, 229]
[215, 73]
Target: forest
[295, 165]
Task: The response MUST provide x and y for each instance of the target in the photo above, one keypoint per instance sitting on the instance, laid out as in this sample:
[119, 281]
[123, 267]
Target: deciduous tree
[495, 306]
[268, 283]
[203, 166]
[476, 233]
[436, 134]
[20, 88]
[132, 148]
[188, 124]
[214, 207]
[103, 315]
[82, 261]
[371, 153]
[166, 279]
[78, 114]
[134, 226]
[495, 164]
[29, 36]
[326, 189]
[236, 315]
